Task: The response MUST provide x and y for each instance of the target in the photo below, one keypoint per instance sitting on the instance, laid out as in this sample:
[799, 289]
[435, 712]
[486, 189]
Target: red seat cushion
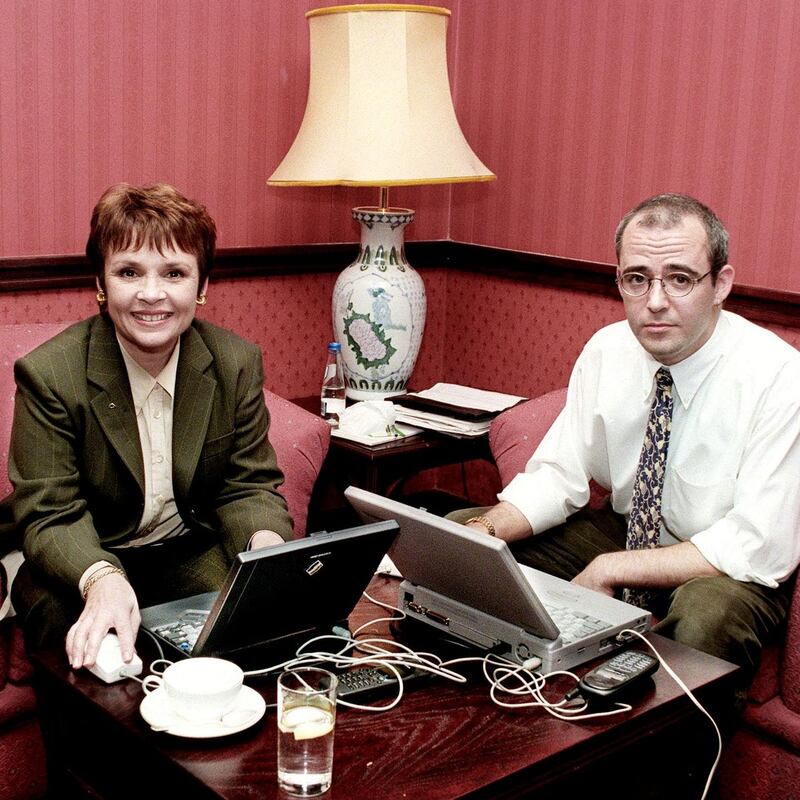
[516, 433]
[301, 441]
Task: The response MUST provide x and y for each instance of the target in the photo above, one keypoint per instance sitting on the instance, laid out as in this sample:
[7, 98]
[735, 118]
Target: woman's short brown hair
[157, 216]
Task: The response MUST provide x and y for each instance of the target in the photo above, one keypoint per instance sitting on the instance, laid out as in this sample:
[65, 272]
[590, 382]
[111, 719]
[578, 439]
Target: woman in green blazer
[139, 452]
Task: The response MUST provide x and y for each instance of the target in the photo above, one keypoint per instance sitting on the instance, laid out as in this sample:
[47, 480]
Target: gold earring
[201, 300]
[101, 297]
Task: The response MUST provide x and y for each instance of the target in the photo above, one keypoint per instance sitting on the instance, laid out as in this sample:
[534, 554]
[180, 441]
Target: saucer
[247, 710]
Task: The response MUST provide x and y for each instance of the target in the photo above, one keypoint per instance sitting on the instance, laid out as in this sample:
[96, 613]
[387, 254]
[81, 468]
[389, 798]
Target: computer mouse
[109, 665]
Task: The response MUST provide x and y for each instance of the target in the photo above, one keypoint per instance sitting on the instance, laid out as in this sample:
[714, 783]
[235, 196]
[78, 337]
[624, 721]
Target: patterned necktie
[644, 524]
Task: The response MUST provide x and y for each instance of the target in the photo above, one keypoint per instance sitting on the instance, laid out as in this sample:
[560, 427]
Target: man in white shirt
[717, 569]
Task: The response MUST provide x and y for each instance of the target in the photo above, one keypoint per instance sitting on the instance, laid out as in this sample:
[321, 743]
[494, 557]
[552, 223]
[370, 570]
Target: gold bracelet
[97, 575]
[485, 521]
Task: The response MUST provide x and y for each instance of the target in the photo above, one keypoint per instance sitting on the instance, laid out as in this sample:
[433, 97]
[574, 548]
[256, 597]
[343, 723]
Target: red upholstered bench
[762, 759]
[301, 443]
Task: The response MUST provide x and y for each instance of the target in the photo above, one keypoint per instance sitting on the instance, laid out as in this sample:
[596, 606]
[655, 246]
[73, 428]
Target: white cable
[388, 607]
[155, 639]
[525, 682]
[503, 675]
[691, 696]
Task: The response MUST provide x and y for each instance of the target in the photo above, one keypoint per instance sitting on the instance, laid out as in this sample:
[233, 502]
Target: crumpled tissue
[370, 418]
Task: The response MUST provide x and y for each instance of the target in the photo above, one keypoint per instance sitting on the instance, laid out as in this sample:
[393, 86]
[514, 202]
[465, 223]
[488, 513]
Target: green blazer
[76, 460]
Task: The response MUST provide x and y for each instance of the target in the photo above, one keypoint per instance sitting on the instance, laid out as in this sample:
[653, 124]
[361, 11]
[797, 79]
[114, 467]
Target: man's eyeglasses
[675, 284]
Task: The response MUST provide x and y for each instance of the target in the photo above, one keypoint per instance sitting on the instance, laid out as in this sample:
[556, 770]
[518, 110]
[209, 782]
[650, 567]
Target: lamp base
[379, 308]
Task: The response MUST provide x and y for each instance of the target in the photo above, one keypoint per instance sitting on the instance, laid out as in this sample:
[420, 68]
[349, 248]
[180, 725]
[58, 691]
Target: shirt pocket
[692, 503]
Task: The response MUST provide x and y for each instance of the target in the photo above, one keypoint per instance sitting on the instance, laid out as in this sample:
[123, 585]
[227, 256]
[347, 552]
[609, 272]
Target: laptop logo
[314, 567]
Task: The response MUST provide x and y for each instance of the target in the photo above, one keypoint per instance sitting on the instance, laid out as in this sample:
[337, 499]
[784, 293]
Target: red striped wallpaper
[206, 94]
[584, 108]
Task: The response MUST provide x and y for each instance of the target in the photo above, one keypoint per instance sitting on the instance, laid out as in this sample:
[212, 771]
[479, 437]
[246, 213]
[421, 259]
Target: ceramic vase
[379, 308]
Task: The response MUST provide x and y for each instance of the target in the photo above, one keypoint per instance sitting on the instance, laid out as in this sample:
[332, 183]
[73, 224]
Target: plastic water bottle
[332, 396]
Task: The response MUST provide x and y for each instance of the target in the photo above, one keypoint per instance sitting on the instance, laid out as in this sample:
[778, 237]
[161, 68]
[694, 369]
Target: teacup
[199, 689]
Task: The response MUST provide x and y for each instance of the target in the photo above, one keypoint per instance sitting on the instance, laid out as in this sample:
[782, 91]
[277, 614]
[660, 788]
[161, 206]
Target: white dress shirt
[153, 400]
[732, 485]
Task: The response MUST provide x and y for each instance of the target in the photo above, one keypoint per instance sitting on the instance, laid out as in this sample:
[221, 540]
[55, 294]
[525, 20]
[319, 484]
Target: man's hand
[110, 603]
[264, 539]
[598, 575]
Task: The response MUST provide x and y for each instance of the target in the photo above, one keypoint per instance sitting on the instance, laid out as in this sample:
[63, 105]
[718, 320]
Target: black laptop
[274, 599]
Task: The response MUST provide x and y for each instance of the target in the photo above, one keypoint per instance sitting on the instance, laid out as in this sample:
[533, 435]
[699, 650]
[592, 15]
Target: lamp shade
[379, 110]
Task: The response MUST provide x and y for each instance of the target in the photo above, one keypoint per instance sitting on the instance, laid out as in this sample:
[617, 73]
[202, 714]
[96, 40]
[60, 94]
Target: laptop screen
[301, 585]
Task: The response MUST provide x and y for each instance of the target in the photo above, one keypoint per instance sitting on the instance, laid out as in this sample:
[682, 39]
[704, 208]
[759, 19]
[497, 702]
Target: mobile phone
[618, 676]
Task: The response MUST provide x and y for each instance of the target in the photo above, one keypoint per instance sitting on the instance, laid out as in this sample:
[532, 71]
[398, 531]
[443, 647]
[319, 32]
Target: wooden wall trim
[769, 306]
[32, 273]
[36, 273]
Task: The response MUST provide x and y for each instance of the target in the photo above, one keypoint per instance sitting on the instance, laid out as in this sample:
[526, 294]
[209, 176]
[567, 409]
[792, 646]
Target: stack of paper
[453, 409]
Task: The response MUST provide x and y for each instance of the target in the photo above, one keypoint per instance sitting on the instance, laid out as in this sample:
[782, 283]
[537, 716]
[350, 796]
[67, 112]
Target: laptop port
[437, 617]
[416, 607]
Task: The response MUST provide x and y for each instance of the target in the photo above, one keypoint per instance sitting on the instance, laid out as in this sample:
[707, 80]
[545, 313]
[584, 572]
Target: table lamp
[379, 113]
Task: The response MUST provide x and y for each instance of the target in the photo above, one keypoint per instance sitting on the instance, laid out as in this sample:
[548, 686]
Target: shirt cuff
[722, 551]
[532, 498]
[89, 571]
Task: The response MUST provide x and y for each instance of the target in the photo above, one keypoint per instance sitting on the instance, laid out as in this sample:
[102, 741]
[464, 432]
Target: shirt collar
[142, 382]
[689, 374]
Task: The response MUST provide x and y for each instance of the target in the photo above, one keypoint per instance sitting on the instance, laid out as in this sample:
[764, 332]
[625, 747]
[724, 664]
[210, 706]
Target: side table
[381, 468]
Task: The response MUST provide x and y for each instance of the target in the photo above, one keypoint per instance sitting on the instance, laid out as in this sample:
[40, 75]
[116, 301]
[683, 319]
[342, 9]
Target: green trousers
[730, 619]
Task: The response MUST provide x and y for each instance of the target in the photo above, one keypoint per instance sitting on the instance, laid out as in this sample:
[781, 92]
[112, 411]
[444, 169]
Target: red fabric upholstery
[790, 675]
[22, 760]
[516, 433]
[15, 342]
[763, 758]
[757, 767]
[301, 443]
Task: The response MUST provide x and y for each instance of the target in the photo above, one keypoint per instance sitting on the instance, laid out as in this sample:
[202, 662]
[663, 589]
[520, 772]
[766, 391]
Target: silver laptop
[274, 599]
[469, 585]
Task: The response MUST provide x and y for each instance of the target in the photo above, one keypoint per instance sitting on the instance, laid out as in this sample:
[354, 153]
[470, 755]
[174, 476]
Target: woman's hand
[110, 603]
[264, 539]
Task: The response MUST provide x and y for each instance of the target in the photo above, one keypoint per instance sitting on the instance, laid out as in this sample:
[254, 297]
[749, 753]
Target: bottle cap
[334, 346]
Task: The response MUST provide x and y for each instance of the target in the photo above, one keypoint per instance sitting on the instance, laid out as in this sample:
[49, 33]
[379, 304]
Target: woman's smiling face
[151, 299]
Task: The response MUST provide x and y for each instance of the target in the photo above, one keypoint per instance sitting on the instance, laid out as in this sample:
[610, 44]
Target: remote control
[367, 681]
[618, 675]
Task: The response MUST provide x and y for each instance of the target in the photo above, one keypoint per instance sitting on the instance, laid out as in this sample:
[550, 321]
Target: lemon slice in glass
[306, 722]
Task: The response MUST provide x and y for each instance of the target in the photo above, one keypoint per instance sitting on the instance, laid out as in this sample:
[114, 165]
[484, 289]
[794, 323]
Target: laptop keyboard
[575, 625]
[184, 631]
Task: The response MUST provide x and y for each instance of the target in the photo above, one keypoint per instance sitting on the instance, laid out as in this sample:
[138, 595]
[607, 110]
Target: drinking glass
[306, 720]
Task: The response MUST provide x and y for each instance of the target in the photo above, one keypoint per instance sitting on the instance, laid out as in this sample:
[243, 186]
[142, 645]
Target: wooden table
[380, 468]
[443, 741]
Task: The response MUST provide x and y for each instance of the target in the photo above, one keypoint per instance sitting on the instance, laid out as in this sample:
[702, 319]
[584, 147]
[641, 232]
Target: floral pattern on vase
[379, 308]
